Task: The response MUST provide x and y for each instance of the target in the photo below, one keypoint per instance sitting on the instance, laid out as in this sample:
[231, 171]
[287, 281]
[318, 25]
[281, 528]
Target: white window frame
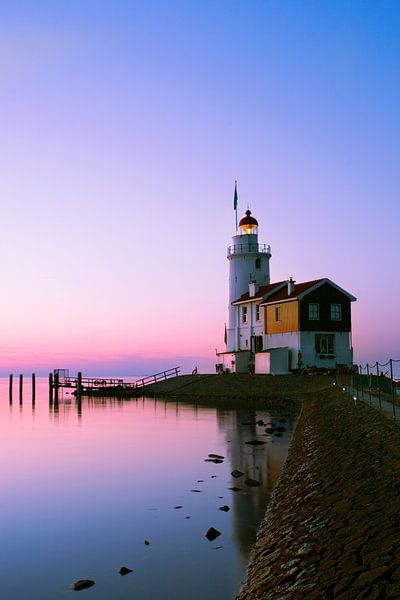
[313, 311]
[326, 340]
[336, 312]
[244, 314]
[258, 312]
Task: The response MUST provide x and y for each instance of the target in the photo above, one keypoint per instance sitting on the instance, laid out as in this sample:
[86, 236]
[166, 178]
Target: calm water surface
[82, 487]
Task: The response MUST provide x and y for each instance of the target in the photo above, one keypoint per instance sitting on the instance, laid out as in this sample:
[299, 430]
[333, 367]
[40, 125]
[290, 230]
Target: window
[258, 312]
[244, 314]
[313, 311]
[324, 343]
[336, 312]
[258, 263]
[278, 313]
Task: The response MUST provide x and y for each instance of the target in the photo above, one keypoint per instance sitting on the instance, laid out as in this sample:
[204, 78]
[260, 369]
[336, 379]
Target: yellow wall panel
[289, 317]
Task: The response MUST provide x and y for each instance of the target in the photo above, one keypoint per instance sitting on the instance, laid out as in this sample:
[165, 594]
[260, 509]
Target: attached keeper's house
[285, 326]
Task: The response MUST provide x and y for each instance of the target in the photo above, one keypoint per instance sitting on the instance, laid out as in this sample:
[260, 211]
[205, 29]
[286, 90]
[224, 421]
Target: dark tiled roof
[299, 288]
[263, 290]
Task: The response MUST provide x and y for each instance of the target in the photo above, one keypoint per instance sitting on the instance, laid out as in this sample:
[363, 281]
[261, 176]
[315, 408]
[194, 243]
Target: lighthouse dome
[248, 224]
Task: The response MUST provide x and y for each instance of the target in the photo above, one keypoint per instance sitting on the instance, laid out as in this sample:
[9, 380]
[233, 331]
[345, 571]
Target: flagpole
[235, 203]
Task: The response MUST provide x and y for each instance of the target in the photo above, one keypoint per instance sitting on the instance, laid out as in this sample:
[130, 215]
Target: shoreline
[331, 529]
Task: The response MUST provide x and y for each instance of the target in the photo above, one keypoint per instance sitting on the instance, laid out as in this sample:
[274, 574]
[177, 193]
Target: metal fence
[375, 384]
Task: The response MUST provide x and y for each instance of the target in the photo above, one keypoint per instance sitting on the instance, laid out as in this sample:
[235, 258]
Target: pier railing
[377, 384]
[89, 385]
[162, 376]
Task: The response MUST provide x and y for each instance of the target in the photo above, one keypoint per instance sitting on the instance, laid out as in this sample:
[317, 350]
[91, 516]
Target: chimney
[253, 289]
[290, 286]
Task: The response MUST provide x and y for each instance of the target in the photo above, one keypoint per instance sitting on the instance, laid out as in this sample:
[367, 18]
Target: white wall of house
[234, 362]
[273, 362]
[252, 327]
[285, 340]
[343, 352]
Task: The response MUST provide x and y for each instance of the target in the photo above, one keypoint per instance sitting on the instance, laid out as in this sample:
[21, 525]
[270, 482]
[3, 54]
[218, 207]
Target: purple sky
[123, 128]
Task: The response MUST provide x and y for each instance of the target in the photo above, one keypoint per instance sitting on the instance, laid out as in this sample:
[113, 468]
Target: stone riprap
[332, 527]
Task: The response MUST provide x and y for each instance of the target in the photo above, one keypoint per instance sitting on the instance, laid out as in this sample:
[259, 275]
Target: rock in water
[252, 482]
[236, 473]
[225, 508]
[214, 460]
[212, 534]
[255, 442]
[124, 571]
[82, 584]
[146, 543]
[216, 456]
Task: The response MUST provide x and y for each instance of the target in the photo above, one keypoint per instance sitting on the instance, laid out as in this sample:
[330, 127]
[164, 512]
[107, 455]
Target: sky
[123, 128]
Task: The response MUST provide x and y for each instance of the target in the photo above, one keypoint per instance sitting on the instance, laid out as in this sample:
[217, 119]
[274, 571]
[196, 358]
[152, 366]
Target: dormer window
[313, 311]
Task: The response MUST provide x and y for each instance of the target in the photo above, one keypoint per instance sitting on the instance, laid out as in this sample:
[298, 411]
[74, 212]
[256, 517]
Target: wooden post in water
[21, 384]
[79, 385]
[56, 376]
[33, 388]
[50, 388]
[10, 389]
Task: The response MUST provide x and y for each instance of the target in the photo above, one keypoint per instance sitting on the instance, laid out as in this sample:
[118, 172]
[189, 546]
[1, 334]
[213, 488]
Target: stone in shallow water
[146, 543]
[237, 473]
[214, 460]
[235, 489]
[124, 571]
[176, 507]
[82, 584]
[224, 508]
[255, 442]
[212, 534]
[216, 456]
[252, 482]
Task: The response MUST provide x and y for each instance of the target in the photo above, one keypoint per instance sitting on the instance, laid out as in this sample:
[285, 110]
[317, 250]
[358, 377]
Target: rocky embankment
[332, 527]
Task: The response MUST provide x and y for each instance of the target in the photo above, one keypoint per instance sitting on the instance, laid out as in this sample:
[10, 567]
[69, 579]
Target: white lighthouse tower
[248, 269]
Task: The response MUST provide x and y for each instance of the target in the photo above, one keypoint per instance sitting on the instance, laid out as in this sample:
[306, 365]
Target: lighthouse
[248, 270]
[282, 327]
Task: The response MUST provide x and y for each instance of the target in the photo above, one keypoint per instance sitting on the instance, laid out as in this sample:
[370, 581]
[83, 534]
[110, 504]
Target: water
[84, 486]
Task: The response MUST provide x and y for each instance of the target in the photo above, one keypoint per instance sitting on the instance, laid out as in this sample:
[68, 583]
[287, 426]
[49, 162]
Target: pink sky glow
[124, 127]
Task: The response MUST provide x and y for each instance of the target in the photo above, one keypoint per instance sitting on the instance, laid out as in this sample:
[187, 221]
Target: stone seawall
[332, 527]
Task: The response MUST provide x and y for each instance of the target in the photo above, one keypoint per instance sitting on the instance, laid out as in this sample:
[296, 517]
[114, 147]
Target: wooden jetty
[104, 386]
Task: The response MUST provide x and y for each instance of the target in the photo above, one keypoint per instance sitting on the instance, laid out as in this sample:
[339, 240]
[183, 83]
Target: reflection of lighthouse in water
[262, 463]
